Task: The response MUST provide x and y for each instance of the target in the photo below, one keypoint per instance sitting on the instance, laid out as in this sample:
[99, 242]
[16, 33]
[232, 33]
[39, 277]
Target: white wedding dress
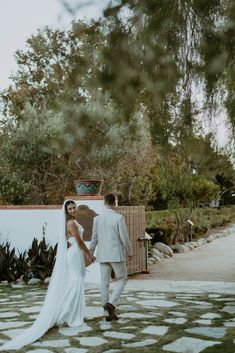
[72, 306]
[65, 299]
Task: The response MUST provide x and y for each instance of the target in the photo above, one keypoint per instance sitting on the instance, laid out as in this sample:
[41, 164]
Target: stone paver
[105, 325]
[203, 322]
[12, 333]
[53, 343]
[8, 314]
[189, 345]
[177, 313]
[8, 325]
[178, 321]
[158, 303]
[91, 341]
[213, 332]
[39, 351]
[229, 324]
[32, 310]
[75, 350]
[73, 331]
[136, 316]
[210, 316]
[156, 330]
[229, 309]
[144, 343]
[120, 335]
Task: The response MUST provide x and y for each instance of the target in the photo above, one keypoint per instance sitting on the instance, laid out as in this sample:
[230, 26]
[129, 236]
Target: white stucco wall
[20, 225]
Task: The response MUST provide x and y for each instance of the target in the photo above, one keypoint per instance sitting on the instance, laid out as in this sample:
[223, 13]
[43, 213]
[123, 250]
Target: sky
[21, 18]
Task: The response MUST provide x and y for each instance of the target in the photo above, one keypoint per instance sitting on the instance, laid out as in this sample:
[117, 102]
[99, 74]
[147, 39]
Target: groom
[110, 234]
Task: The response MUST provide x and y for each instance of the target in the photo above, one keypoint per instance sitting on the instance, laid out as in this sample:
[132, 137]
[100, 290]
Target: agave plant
[41, 258]
[22, 266]
[7, 262]
[37, 261]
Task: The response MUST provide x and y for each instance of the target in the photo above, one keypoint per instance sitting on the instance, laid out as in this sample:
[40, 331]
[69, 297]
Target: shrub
[7, 262]
[41, 258]
[163, 225]
[38, 261]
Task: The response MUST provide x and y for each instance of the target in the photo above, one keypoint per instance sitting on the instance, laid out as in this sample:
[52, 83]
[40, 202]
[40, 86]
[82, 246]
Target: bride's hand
[90, 257]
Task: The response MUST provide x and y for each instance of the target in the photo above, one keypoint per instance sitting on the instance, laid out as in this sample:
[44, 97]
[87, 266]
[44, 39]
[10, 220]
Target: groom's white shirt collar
[109, 210]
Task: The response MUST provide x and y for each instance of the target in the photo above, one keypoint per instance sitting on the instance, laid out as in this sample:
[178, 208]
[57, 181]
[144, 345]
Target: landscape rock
[189, 245]
[157, 253]
[163, 248]
[4, 282]
[150, 261]
[20, 280]
[158, 259]
[194, 243]
[47, 280]
[210, 238]
[34, 281]
[180, 248]
[201, 241]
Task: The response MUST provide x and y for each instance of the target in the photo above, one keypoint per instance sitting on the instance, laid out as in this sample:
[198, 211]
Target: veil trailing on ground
[49, 313]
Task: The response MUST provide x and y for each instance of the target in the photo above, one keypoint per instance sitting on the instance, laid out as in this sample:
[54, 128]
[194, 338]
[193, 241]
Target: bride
[64, 301]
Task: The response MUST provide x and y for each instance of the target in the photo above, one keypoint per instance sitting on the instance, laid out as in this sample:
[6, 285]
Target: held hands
[130, 257]
[90, 257]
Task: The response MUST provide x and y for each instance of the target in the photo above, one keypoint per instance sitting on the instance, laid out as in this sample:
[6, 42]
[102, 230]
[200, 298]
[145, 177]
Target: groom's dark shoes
[111, 311]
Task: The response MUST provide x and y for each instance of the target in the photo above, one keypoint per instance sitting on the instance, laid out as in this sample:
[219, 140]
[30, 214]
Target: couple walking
[64, 302]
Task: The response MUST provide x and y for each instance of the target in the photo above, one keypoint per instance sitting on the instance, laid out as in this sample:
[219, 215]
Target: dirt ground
[213, 261]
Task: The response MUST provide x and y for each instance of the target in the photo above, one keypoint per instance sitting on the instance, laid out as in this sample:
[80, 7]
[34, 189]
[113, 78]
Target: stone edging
[161, 250]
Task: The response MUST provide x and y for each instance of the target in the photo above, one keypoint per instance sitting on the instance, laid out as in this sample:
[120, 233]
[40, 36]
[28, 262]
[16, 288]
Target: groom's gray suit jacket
[110, 234]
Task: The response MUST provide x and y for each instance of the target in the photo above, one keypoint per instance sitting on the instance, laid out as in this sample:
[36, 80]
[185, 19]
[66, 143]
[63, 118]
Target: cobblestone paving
[150, 321]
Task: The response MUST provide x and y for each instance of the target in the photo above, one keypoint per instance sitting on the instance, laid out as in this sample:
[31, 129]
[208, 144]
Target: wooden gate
[135, 220]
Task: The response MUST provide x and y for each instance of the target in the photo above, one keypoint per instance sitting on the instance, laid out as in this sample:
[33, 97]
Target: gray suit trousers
[120, 271]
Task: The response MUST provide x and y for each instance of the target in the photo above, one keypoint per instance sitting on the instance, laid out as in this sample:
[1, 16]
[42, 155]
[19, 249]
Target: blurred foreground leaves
[117, 98]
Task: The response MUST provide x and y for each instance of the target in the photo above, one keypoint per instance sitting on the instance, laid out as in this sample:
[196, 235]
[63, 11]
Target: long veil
[48, 315]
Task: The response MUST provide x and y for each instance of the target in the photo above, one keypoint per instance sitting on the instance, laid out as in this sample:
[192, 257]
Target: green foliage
[55, 68]
[32, 170]
[38, 261]
[177, 186]
[163, 225]
[7, 262]
[115, 99]
[191, 42]
[41, 258]
[22, 267]
[203, 190]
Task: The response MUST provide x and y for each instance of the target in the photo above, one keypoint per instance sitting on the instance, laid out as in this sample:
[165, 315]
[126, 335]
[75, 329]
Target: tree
[190, 41]
[54, 69]
[32, 171]
[128, 76]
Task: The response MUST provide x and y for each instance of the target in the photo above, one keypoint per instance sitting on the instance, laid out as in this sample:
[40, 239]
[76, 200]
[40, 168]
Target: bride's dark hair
[67, 203]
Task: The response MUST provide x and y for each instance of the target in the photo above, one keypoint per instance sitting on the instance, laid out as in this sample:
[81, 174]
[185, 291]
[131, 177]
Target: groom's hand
[130, 257]
[91, 257]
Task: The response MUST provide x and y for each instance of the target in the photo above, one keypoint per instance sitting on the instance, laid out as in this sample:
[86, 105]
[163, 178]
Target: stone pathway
[154, 317]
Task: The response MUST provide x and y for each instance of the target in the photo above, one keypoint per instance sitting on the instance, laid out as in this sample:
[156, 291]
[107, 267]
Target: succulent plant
[37, 261]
